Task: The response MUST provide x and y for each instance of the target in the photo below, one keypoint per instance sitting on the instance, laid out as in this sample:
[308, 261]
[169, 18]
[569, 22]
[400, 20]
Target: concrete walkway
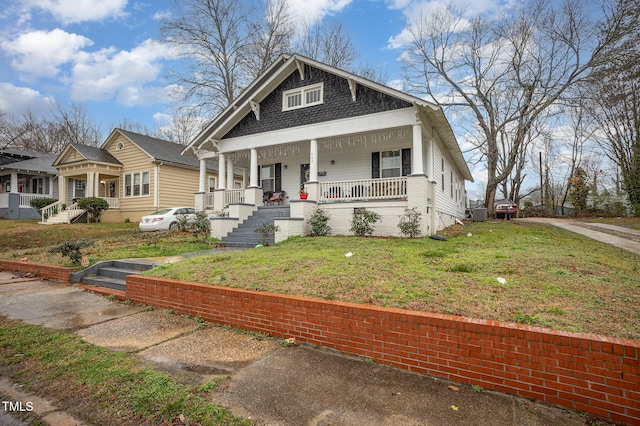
[618, 236]
[269, 383]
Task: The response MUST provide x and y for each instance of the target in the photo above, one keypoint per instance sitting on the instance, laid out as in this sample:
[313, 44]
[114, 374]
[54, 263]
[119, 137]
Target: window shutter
[406, 161]
[375, 165]
[278, 177]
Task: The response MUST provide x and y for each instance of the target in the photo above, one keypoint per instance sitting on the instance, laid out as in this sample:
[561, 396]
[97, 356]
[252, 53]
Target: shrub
[319, 223]
[71, 249]
[410, 222]
[94, 207]
[267, 229]
[183, 222]
[201, 225]
[40, 203]
[363, 221]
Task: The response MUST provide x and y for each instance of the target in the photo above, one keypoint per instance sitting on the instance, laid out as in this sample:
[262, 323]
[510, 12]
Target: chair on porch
[277, 197]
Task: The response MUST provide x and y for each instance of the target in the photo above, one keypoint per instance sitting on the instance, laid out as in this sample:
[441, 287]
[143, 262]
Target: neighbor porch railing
[114, 203]
[363, 190]
[233, 196]
[56, 209]
[25, 199]
[208, 200]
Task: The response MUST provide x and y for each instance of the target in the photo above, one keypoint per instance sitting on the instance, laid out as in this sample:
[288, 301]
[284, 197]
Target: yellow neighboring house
[136, 174]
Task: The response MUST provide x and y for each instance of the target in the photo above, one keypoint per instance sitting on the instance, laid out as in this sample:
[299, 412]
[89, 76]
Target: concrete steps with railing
[244, 236]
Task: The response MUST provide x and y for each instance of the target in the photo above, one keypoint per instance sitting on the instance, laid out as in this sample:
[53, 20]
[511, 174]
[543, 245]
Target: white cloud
[21, 100]
[127, 76]
[161, 15]
[41, 53]
[75, 11]
[309, 11]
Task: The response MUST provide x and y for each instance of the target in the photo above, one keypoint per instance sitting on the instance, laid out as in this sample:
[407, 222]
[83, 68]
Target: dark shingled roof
[93, 153]
[162, 150]
[39, 164]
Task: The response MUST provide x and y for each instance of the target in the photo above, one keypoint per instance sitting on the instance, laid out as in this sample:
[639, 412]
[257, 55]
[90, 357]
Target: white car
[166, 219]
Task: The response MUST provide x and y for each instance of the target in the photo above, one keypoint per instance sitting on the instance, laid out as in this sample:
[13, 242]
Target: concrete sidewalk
[269, 383]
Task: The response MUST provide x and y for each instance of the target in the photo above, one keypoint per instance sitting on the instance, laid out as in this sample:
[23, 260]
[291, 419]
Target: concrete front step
[110, 274]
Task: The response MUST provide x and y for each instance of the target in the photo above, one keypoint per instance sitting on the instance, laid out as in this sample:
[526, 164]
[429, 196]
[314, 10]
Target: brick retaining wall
[58, 273]
[584, 372]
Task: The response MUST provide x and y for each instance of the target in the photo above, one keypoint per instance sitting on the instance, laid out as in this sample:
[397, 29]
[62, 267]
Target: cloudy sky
[105, 54]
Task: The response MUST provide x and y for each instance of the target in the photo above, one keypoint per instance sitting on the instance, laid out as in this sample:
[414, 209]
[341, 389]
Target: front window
[390, 164]
[267, 177]
[136, 184]
[212, 184]
[303, 97]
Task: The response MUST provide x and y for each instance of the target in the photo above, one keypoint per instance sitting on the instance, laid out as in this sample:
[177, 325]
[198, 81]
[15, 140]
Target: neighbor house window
[120, 146]
[136, 184]
[451, 179]
[212, 184]
[442, 160]
[40, 185]
[303, 97]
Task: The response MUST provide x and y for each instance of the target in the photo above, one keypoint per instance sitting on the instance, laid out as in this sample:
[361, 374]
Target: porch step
[59, 218]
[244, 236]
[112, 274]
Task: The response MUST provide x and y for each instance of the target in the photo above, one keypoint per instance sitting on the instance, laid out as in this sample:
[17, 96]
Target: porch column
[429, 158]
[62, 189]
[51, 186]
[14, 182]
[416, 161]
[253, 173]
[229, 173]
[244, 177]
[222, 171]
[313, 161]
[96, 191]
[202, 187]
[90, 184]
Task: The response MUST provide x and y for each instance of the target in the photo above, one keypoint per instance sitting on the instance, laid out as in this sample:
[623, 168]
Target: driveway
[618, 236]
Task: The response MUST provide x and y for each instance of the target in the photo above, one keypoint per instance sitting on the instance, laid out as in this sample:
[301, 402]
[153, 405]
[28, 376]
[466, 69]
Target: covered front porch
[385, 171]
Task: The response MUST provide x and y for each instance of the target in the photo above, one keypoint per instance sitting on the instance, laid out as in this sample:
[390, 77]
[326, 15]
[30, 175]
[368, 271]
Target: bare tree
[613, 101]
[269, 37]
[504, 73]
[328, 44]
[11, 131]
[211, 36]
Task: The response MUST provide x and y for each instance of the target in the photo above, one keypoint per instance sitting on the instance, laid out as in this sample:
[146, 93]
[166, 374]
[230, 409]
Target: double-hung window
[136, 184]
[303, 97]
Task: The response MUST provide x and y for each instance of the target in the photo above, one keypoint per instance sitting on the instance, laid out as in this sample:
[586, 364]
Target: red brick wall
[590, 373]
[50, 272]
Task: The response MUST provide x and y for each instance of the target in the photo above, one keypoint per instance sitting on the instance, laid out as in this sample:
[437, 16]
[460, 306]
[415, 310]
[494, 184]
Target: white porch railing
[25, 199]
[363, 189]
[114, 203]
[4, 200]
[233, 196]
[208, 200]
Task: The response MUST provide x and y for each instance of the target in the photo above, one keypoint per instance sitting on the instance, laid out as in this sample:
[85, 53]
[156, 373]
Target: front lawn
[549, 277]
[27, 240]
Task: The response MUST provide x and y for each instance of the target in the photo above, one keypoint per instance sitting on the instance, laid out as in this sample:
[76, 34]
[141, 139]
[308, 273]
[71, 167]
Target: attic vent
[303, 97]
[120, 146]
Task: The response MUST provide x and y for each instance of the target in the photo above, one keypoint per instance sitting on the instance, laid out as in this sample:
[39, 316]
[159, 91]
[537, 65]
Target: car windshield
[160, 212]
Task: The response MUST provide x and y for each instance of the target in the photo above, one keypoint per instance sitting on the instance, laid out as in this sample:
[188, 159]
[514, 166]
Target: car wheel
[173, 226]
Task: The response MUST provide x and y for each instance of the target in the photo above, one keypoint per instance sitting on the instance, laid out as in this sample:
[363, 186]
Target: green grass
[28, 239]
[554, 278]
[109, 387]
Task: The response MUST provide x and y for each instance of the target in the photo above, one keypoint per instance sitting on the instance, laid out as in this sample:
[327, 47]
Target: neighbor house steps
[111, 274]
[244, 236]
[61, 218]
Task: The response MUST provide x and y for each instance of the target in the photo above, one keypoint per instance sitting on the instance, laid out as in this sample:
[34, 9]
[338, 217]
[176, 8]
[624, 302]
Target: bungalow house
[136, 174]
[25, 175]
[349, 142]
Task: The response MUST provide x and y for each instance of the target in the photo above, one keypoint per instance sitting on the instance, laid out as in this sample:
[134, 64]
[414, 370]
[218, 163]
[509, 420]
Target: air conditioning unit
[480, 214]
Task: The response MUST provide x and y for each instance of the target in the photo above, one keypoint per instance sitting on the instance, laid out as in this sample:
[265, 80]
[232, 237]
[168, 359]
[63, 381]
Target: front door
[304, 174]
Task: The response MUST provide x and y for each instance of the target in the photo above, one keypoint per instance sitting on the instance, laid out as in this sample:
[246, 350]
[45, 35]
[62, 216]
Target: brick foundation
[590, 373]
[49, 272]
